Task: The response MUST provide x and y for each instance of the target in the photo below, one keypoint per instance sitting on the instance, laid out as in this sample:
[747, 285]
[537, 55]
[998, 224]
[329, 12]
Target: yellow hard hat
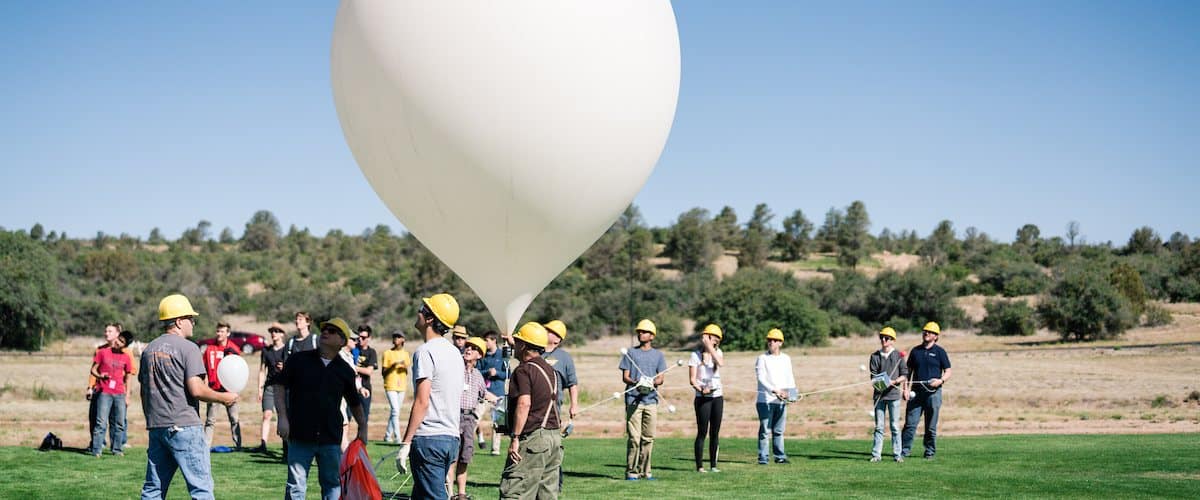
[477, 343]
[932, 327]
[646, 325]
[558, 328]
[460, 331]
[532, 333]
[887, 331]
[340, 324]
[444, 307]
[713, 330]
[175, 306]
[775, 334]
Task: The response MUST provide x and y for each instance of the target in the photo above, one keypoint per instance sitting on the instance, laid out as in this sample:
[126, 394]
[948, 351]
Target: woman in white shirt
[705, 368]
[774, 372]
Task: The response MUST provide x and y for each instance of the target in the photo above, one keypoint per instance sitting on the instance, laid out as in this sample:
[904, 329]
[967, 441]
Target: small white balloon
[679, 362]
[862, 367]
[232, 372]
[624, 351]
[616, 395]
[912, 394]
[671, 408]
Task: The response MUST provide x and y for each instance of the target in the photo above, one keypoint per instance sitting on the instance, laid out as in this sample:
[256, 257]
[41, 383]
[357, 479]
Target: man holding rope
[890, 373]
[642, 371]
[929, 368]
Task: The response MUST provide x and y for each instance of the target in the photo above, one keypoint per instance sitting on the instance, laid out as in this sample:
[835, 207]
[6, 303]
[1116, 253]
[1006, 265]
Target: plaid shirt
[473, 389]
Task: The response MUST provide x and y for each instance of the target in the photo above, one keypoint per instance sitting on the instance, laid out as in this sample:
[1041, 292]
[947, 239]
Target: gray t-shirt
[166, 364]
[440, 362]
[562, 363]
[647, 363]
[891, 365]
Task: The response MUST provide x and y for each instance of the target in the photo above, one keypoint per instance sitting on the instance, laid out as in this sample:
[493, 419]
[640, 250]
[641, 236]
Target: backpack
[50, 442]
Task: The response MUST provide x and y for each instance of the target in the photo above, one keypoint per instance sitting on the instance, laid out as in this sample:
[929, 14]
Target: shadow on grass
[586, 474]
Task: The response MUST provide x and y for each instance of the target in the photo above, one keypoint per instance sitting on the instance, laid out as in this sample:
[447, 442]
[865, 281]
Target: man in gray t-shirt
[172, 380]
[438, 374]
[642, 371]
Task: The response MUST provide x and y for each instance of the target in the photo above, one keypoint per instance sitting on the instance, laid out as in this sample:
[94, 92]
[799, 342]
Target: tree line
[52, 285]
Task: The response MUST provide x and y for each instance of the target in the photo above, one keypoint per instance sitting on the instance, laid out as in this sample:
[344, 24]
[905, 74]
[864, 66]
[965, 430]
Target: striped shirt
[473, 389]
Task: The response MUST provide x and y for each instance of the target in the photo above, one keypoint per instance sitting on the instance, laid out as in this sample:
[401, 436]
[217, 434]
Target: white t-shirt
[708, 374]
[440, 362]
[773, 373]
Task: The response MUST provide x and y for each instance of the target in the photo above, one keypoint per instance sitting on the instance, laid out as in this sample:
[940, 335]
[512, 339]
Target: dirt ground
[1147, 381]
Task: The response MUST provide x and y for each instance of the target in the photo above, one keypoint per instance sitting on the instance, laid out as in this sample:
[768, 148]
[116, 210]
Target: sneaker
[494, 453]
[875, 459]
[650, 477]
[262, 448]
[118, 453]
[714, 469]
[762, 463]
[899, 458]
[782, 461]
[928, 457]
[631, 478]
[701, 469]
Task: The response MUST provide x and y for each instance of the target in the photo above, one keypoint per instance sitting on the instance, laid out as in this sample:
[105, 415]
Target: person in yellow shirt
[395, 382]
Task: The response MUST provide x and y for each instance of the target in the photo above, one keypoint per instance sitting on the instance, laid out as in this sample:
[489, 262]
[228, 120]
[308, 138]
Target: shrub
[1013, 278]
[918, 295]
[1156, 316]
[1008, 319]
[753, 301]
[845, 326]
[1083, 304]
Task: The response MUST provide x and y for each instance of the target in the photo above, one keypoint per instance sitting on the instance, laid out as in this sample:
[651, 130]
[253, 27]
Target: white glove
[402, 457]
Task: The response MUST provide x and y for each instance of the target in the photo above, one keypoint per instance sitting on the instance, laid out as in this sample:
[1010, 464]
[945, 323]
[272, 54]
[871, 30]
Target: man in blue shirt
[494, 368]
[642, 371]
[929, 369]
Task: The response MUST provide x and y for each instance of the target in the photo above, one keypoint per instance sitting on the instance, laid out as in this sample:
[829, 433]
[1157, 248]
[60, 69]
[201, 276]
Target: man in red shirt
[212, 356]
[111, 367]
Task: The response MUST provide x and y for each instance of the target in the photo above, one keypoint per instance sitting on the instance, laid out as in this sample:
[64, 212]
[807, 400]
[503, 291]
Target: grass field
[1076, 466]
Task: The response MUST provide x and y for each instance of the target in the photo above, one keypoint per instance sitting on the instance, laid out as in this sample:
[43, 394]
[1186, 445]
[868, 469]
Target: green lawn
[1112, 466]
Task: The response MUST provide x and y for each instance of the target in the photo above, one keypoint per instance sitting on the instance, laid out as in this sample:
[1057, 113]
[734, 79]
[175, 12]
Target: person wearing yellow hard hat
[889, 372]
[311, 417]
[474, 391]
[437, 374]
[564, 366]
[704, 368]
[775, 383]
[642, 371]
[171, 376]
[929, 369]
[535, 450]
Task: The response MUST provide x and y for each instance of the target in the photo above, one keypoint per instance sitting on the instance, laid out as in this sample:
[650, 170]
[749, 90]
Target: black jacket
[315, 393]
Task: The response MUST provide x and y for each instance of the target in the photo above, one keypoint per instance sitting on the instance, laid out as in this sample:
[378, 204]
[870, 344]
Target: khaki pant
[210, 421]
[536, 475]
[640, 421]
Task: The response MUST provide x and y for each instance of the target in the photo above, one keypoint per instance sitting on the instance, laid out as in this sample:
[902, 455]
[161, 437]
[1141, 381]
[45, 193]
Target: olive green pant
[536, 475]
[639, 424]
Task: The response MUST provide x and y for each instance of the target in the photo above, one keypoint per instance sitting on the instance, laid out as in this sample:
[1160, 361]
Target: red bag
[358, 477]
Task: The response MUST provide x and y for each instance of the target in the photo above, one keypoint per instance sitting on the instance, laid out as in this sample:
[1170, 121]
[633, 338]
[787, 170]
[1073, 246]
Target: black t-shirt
[367, 357]
[315, 393]
[273, 358]
[295, 344]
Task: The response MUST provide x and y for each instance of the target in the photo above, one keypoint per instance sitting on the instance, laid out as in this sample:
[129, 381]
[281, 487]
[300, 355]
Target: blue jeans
[884, 410]
[110, 410]
[931, 404]
[180, 448]
[430, 458]
[299, 459]
[772, 418]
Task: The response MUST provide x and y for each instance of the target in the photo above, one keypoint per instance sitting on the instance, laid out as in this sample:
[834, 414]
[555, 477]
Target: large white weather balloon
[506, 136]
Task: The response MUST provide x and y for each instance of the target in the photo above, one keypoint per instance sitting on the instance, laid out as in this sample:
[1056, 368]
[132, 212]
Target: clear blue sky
[124, 116]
